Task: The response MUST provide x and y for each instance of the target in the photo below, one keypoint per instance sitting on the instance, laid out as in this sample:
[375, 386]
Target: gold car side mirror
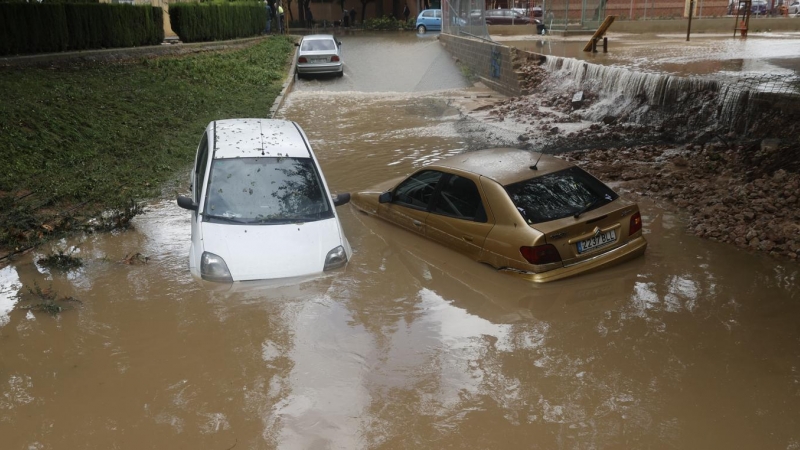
[386, 197]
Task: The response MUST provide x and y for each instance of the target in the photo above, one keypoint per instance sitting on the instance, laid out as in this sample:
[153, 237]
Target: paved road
[391, 62]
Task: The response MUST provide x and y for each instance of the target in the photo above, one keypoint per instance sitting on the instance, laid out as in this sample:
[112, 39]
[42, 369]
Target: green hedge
[53, 27]
[194, 22]
[50, 1]
[388, 23]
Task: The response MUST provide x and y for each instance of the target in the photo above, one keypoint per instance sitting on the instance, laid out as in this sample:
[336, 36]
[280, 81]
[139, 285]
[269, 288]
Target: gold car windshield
[265, 191]
[558, 195]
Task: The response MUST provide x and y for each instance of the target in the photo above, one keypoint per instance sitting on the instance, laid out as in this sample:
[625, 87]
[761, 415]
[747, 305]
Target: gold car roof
[504, 165]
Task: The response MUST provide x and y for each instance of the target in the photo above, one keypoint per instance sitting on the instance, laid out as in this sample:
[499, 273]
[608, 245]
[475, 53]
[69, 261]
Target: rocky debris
[745, 193]
[727, 197]
[532, 75]
[135, 259]
[577, 100]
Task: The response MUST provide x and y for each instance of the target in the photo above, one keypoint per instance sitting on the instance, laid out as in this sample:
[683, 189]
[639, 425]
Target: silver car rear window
[318, 45]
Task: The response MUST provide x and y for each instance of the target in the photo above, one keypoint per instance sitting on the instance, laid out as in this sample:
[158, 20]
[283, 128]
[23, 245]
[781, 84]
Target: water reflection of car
[318, 54]
[493, 295]
[261, 206]
[533, 215]
[429, 20]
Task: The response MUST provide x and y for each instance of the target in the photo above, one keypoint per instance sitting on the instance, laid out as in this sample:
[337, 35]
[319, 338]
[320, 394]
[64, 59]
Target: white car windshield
[265, 191]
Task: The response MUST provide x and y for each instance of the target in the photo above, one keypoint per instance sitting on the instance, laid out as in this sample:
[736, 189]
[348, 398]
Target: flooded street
[694, 345]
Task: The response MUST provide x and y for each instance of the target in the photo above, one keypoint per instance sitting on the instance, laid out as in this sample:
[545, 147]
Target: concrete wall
[495, 64]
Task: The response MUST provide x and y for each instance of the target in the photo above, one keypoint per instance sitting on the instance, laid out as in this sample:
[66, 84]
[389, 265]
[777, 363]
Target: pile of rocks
[728, 199]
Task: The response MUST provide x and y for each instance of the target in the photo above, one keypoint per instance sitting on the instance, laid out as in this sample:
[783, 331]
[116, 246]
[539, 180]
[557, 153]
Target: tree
[303, 7]
[364, 9]
[289, 10]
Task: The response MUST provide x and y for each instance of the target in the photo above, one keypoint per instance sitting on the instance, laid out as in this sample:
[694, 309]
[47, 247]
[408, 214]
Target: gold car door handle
[467, 238]
[417, 223]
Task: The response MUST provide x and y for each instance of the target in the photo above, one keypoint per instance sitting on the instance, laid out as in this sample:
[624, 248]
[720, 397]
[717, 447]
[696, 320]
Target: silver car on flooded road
[319, 54]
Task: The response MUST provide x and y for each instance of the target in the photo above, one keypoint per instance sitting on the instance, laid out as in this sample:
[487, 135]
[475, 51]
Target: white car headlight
[213, 268]
[336, 258]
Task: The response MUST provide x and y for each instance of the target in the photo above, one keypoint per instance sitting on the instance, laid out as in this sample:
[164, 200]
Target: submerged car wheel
[421, 29]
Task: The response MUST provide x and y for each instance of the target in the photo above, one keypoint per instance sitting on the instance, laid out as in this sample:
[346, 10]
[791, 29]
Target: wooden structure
[601, 30]
[742, 18]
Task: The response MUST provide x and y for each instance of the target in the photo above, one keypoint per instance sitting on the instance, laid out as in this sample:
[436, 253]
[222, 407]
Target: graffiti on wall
[495, 63]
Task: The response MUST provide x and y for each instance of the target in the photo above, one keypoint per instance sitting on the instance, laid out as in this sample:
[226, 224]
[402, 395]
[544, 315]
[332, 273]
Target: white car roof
[317, 36]
[247, 138]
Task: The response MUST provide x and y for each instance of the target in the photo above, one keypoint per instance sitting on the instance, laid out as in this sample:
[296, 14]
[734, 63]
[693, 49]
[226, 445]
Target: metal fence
[783, 84]
[588, 14]
[465, 17]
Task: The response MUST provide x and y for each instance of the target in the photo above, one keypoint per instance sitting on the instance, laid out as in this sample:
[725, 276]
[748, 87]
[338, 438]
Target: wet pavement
[695, 345]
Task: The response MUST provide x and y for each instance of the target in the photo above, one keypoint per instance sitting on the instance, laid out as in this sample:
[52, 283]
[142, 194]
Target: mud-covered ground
[736, 190]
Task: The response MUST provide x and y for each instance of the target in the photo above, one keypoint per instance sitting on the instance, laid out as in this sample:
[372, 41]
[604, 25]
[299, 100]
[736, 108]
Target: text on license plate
[597, 241]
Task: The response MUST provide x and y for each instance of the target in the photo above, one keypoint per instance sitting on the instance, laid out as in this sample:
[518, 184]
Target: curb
[285, 89]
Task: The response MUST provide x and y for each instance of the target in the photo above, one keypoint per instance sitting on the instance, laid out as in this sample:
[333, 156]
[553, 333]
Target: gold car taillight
[541, 254]
[636, 223]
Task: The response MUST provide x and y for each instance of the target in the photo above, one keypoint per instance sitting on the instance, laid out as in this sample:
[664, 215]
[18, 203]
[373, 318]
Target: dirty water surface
[694, 345]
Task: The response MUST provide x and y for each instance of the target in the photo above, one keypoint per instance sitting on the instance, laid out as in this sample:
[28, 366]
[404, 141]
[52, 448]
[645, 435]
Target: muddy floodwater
[694, 345]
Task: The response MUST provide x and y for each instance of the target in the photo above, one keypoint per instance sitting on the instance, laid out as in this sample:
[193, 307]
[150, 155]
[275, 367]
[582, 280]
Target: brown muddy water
[695, 345]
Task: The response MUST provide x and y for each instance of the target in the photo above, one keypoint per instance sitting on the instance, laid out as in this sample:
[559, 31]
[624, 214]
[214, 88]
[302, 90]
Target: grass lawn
[81, 138]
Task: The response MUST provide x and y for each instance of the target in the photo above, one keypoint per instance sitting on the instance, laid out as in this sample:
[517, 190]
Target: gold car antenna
[533, 167]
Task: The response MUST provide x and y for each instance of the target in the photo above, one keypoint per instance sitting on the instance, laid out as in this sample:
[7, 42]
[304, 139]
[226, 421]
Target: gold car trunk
[592, 234]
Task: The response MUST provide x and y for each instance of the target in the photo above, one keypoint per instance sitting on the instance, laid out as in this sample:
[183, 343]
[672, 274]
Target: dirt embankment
[741, 191]
[746, 195]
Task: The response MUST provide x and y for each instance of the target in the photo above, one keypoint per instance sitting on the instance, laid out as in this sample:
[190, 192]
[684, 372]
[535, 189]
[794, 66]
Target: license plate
[319, 60]
[597, 241]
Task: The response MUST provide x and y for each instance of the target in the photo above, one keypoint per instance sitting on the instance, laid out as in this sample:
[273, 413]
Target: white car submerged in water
[261, 208]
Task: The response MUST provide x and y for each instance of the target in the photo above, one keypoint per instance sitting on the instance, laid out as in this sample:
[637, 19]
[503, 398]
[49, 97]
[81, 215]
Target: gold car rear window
[558, 195]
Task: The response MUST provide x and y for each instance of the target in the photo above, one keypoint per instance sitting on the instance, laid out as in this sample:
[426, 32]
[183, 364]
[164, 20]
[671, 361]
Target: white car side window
[200, 169]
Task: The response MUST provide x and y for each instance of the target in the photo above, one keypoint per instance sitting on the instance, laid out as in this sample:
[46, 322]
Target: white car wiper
[226, 218]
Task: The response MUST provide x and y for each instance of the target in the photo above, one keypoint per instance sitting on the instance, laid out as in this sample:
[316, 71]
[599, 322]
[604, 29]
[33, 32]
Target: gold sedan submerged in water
[530, 214]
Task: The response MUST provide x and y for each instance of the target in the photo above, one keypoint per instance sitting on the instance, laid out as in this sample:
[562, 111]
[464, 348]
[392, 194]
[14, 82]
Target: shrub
[388, 23]
[53, 26]
[194, 22]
